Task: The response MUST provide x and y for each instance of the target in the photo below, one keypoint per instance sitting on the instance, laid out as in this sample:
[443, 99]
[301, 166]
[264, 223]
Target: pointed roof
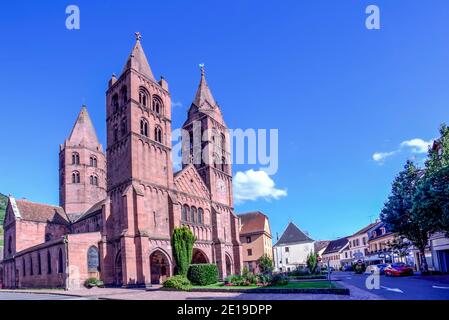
[336, 245]
[137, 60]
[83, 132]
[293, 235]
[203, 94]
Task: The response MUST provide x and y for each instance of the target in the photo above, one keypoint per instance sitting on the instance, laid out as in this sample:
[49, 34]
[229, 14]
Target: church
[119, 206]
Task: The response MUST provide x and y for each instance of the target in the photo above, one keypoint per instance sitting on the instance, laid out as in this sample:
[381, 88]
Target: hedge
[203, 274]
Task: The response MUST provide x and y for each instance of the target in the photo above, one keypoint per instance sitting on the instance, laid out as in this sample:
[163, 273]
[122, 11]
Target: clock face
[221, 187]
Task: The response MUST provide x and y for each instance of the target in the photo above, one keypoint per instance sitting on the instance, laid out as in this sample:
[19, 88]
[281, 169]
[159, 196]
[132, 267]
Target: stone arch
[199, 257]
[228, 264]
[160, 266]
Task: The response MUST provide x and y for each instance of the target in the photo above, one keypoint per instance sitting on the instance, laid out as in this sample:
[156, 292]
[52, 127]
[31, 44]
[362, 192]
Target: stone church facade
[116, 216]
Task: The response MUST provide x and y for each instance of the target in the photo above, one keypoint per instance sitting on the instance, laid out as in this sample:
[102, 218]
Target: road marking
[437, 287]
[391, 289]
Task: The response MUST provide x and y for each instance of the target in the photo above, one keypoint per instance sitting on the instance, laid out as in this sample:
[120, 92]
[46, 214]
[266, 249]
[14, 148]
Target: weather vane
[138, 36]
[201, 65]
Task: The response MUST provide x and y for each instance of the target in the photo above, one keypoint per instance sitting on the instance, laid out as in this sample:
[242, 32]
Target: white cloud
[252, 185]
[381, 156]
[176, 104]
[417, 145]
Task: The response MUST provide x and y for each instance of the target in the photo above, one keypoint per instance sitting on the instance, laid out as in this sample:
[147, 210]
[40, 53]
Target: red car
[398, 269]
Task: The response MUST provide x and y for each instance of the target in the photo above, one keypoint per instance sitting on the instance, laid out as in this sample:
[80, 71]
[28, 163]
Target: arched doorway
[160, 267]
[118, 270]
[228, 265]
[199, 257]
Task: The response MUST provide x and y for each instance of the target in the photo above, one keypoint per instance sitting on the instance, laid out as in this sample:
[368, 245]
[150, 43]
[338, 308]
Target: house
[320, 246]
[292, 249]
[334, 253]
[255, 237]
[439, 246]
[358, 247]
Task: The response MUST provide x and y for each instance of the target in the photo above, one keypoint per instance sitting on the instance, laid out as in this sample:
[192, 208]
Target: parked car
[348, 267]
[398, 269]
[380, 268]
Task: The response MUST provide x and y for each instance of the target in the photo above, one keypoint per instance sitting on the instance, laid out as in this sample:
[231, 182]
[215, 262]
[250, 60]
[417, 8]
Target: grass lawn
[291, 285]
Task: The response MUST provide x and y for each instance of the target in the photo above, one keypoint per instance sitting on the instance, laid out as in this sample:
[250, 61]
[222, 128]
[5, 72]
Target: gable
[189, 181]
[11, 213]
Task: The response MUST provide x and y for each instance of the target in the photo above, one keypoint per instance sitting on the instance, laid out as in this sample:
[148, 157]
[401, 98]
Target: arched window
[223, 141]
[94, 180]
[124, 94]
[200, 216]
[75, 158]
[48, 262]
[115, 134]
[144, 127]
[193, 214]
[143, 97]
[60, 262]
[115, 102]
[124, 127]
[93, 161]
[76, 177]
[93, 261]
[185, 212]
[158, 134]
[39, 263]
[223, 164]
[9, 245]
[24, 269]
[157, 105]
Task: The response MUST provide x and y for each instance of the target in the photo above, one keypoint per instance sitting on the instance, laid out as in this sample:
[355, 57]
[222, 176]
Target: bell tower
[140, 174]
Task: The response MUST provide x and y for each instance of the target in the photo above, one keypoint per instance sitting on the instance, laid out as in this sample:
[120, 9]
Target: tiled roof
[319, 245]
[252, 222]
[335, 245]
[293, 235]
[366, 229]
[95, 209]
[39, 212]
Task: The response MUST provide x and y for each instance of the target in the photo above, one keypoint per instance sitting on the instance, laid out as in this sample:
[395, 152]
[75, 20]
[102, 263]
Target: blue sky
[337, 92]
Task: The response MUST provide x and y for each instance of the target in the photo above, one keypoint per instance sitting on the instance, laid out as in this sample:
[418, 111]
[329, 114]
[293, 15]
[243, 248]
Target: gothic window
[76, 177]
[60, 262]
[200, 216]
[115, 102]
[75, 158]
[143, 97]
[193, 214]
[94, 180]
[115, 134]
[157, 105]
[9, 245]
[184, 213]
[144, 127]
[93, 261]
[48, 262]
[158, 134]
[93, 161]
[39, 263]
[31, 266]
[124, 94]
[124, 127]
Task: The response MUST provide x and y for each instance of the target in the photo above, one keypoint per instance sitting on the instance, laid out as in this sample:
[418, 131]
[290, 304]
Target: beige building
[334, 255]
[255, 236]
[358, 248]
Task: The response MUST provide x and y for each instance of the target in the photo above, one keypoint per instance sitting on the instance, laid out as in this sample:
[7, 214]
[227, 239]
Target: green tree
[400, 246]
[182, 244]
[312, 262]
[402, 217]
[265, 264]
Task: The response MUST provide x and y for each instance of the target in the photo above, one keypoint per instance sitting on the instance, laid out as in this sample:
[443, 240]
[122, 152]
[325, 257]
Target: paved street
[33, 296]
[402, 288]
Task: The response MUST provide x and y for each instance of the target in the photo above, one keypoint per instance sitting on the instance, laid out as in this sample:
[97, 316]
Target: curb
[42, 292]
[336, 291]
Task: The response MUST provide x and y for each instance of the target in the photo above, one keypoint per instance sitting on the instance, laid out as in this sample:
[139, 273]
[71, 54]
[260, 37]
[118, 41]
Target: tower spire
[137, 59]
[203, 93]
[83, 132]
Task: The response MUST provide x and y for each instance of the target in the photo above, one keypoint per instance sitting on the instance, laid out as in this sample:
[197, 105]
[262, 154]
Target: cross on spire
[202, 67]
[138, 36]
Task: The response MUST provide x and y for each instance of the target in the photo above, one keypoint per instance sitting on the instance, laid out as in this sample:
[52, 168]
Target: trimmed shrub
[235, 280]
[203, 274]
[178, 282]
[264, 279]
[93, 282]
[279, 280]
